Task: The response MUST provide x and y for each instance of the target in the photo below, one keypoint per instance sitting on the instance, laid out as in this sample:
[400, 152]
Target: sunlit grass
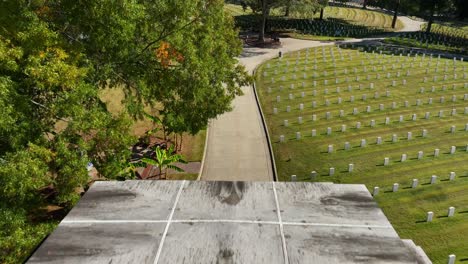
[407, 208]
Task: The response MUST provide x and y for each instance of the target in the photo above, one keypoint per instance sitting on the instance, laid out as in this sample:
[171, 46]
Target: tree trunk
[429, 24]
[286, 12]
[261, 34]
[431, 19]
[395, 14]
[321, 13]
[364, 4]
[180, 144]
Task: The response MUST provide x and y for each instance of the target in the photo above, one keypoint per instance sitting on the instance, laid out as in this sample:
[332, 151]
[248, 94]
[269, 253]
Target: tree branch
[162, 36]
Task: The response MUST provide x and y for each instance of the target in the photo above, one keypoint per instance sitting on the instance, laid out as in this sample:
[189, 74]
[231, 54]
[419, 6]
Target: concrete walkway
[410, 25]
[237, 148]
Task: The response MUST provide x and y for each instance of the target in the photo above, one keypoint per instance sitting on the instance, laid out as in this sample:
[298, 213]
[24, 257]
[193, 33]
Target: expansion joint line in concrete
[222, 221]
[163, 238]
[283, 239]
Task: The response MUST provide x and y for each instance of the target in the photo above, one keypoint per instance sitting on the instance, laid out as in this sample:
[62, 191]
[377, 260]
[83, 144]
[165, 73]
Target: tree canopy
[56, 55]
[305, 8]
[426, 9]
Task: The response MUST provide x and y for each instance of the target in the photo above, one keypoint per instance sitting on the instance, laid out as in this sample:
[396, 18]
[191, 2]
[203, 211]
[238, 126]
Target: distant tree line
[427, 9]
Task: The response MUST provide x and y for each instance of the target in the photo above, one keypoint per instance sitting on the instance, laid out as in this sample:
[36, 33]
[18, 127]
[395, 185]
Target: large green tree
[428, 8]
[461, 8]
[263, 7]
[178, 53]
[55, 55]
[299, 7]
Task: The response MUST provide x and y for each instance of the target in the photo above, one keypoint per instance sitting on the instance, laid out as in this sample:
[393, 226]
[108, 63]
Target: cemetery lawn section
[445, 37]
[236, 10]
[414, 42]
[441, 235]
[338, 22]
[364, 17]
[409, 105]
[450, 28]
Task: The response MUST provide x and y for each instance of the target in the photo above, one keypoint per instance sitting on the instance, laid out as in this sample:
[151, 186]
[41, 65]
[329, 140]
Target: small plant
[165, 159]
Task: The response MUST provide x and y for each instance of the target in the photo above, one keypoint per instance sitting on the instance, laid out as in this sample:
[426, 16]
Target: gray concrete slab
[101, 243]
[344, 204]
[224, 222]
[222, 243]
[131, 200]
[227, 200]
[345, 245]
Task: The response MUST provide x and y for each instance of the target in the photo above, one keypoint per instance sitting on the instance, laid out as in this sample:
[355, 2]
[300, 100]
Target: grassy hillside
[345, 17]
[394, 87]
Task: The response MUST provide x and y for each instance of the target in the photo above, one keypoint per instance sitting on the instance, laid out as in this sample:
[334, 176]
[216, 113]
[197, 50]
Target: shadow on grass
[333, 27]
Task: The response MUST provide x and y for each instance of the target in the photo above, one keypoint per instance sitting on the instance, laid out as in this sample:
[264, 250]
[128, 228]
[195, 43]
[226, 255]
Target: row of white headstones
[372, 123]
[382, 64]
[386, 162]
[345, 71]
[381, 107]
[357, 78]
[360, 87]
[380, 55]
[395, 187]
[376, 60]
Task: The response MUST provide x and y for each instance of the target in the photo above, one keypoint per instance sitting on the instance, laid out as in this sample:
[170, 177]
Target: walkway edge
[265, 128]
[204, 152]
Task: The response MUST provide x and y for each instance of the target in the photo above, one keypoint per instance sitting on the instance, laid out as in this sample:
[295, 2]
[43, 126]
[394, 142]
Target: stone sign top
[224, 222]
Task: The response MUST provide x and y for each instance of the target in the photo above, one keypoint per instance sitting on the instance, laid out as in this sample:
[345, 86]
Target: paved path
[410, 25]
[237, 149]
[191, 167]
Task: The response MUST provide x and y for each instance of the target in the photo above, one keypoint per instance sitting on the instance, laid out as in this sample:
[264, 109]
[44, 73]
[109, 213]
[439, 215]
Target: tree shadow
[248, 52]
[332, 27]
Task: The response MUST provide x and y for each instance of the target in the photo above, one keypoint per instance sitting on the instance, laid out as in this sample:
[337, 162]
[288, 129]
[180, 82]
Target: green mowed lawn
[458, 29]
[362, 17]
[236, 10]
[353, 16]
[389, 98]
